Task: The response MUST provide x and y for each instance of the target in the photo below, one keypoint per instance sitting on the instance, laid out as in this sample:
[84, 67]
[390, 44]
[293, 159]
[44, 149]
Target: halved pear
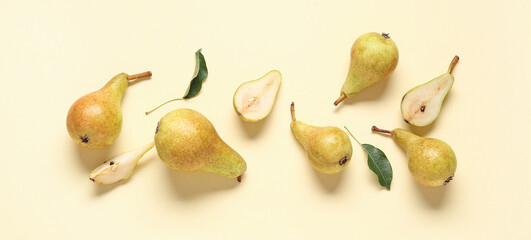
[120, 167]
[254, 100]
[421, 105]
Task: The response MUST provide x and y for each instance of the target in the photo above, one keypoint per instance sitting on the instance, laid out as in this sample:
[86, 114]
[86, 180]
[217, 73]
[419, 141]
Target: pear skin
[431, 162]
[373, 58]
[422, 105]
[329, 148]
[187, 141]
[95, 120]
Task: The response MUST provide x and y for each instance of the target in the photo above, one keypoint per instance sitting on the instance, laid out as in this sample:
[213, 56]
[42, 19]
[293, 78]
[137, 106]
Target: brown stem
[139, 75]
[292, 110]
[452, 64]
[239, 178]
[375, 129]
[386, 35]
[340, 99]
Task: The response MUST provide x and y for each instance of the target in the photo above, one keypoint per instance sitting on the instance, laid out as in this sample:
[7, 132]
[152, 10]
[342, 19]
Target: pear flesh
[254, 100]
[120, 167]
[329, 148]
[373, 58]
[431, 162]
[421, 105]
[186, 141]
[95, 120]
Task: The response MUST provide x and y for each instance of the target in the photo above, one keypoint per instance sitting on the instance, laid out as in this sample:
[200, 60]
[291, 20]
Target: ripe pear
[431, 161]
[95, 120]
[328, 148]
[254, 100]
[186, 141]
[421, 105]
[373, 58]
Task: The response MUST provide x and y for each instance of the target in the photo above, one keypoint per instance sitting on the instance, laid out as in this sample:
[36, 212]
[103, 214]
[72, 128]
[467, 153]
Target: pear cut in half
[120, 167]
[254, 100]
[421, 105]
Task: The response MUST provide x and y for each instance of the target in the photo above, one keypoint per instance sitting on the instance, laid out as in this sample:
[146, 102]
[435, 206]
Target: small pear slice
[119, 167]
[254, 100]
[421, 105]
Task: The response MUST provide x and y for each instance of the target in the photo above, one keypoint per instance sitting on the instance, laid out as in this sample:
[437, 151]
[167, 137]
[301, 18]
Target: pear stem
[139, 75]
[148, 112]
[353, 136]
[452, 64]
[340, 99]
[292, 110]
[375, 129]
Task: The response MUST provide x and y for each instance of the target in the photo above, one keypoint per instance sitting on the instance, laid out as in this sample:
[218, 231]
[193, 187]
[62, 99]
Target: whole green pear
[431, 161]
[95, 120]
[373, 58]
[186, 141]
[329, 148]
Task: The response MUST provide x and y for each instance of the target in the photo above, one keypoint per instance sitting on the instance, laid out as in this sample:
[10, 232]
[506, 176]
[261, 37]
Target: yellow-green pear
[186, 141]
[95, 120]
[421, 105]
[431, 161]
[329, 148]
[373, 58]
[254, 100]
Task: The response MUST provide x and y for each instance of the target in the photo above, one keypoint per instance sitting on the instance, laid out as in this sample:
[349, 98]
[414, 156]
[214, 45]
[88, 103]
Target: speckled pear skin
[95, 120]
[186, 141]
[431, 162]
[373, 58]
[329, 148]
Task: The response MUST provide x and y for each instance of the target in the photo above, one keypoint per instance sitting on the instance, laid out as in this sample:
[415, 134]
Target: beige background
[53, 52]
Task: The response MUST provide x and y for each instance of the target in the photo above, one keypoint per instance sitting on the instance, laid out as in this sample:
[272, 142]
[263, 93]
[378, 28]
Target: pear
[421, 105]
[328, 148]
[432, 162]
[95, 120]
[254, 100]
[186, 141]
[120, 167]
[373, 58]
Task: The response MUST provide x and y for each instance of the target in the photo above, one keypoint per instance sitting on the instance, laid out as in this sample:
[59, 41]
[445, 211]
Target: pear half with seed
[421, 105]
[254, 100]
[120, 167]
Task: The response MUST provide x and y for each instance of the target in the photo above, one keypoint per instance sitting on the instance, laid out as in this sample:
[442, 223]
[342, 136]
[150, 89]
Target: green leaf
[201, 73]
[379, 164]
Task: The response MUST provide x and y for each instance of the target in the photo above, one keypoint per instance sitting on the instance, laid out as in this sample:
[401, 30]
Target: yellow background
[53, 52]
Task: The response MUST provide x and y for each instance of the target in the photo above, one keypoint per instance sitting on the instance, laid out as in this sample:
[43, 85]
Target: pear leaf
[201, 73]
[379, 164]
